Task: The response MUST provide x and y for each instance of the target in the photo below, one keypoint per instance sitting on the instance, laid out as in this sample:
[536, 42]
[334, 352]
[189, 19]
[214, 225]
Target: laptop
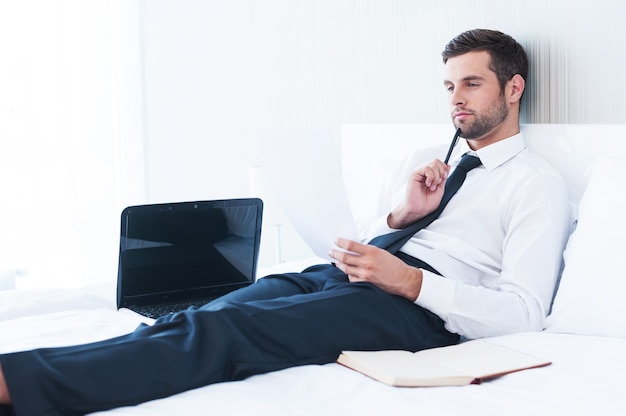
[177, 255]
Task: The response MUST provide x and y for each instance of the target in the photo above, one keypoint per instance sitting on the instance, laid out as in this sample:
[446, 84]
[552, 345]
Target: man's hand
[365, 263]
[423, 194]
[4, 391]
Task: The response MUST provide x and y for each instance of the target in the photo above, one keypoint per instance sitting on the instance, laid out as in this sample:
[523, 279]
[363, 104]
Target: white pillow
[591, 298]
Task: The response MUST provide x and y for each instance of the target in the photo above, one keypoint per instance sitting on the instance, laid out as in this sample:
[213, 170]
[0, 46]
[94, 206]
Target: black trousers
[281, 321]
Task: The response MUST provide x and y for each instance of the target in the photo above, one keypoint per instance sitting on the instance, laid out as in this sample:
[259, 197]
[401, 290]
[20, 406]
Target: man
[487, 266]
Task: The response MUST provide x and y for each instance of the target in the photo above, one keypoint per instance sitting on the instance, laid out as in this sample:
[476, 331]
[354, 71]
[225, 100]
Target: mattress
[586, 375]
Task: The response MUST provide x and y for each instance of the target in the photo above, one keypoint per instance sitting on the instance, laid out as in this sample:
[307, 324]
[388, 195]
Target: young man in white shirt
[488, 266]
[490, 243]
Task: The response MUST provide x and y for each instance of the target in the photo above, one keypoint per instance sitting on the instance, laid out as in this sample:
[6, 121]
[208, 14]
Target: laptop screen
[179, 251]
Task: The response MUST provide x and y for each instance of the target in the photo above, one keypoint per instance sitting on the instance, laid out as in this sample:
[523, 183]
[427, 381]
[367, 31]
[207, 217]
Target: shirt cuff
[436, 294]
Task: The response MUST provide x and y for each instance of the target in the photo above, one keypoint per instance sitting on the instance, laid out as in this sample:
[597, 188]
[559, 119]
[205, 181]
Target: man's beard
[484, 123]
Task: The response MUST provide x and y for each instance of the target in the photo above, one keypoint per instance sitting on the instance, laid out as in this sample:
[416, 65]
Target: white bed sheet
[586, 376]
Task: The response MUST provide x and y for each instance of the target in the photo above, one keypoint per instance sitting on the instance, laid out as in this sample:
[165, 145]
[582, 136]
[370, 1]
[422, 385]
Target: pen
[455, 140]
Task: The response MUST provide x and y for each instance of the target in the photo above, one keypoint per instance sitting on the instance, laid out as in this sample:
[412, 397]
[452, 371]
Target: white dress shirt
[498, 244]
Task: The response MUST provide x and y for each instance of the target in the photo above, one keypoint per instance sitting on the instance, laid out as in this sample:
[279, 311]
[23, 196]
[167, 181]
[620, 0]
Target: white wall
[70, 137]
[218, 73]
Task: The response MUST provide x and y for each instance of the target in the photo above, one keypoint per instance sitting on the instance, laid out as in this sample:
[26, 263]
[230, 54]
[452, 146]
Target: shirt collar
[496, 153]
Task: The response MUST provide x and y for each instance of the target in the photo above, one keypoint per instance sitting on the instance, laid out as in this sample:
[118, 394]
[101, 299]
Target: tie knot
[468, 162]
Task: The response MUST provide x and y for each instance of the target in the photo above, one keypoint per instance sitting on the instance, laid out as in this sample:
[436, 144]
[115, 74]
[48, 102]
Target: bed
[584, 337]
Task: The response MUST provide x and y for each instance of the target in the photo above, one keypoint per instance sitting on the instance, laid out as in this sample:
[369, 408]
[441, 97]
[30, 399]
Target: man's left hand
[366, 263]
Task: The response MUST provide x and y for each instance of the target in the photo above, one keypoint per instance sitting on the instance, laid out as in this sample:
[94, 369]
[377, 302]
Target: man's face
[477, 103]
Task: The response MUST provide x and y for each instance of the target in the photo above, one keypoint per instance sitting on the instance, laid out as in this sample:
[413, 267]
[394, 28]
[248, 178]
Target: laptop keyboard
[156, 311]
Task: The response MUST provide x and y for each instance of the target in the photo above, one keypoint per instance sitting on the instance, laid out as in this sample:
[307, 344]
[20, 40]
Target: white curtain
[70, 137]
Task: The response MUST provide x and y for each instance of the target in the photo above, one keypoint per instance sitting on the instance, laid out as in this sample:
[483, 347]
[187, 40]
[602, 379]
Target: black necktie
[394, 240]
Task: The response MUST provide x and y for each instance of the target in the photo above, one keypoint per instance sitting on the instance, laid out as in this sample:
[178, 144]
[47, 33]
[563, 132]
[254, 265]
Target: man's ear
[516, 88]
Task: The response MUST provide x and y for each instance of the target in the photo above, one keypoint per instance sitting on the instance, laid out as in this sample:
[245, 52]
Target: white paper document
[304, 173]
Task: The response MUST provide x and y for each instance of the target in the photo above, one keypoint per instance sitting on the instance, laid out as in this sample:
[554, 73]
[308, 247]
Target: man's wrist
[398, 219]
[414, 285]
[395, 220]
[391, 221]
[4, 390]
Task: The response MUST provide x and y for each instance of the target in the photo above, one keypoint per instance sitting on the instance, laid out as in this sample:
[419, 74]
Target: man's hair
[507, 56]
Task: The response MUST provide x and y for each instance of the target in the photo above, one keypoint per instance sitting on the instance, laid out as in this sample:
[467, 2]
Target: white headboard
[369, 150]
